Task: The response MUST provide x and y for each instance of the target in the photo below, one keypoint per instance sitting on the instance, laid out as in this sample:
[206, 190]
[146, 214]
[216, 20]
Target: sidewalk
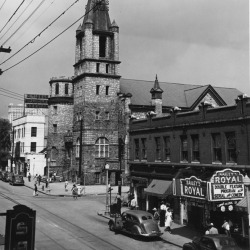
[57, 188]
[180, 234]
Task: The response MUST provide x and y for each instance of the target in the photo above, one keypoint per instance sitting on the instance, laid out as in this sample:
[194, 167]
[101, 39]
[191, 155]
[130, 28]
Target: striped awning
[159, 188]
[242, 205]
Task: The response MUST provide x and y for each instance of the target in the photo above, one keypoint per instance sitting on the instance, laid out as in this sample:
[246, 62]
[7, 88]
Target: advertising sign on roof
[226, 185]
[193, 187]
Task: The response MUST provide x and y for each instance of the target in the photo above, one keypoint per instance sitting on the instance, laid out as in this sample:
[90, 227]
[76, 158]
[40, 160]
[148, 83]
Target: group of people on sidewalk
[164, 216]
[225, 227]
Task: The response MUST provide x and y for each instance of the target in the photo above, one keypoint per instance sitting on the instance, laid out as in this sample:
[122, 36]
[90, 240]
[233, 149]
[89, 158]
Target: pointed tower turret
[156, 97]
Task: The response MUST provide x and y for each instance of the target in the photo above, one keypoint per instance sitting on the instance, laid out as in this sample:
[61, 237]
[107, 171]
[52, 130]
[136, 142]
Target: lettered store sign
[194, 188]
[226, 185]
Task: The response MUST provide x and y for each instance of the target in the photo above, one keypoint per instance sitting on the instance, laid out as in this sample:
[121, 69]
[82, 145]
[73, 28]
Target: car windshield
[147, 217]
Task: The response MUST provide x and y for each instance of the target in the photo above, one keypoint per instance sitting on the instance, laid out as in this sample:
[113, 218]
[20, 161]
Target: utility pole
[80, 156]
[12, 155]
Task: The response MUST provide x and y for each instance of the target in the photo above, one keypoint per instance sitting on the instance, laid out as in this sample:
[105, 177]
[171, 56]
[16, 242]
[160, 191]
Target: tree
[5, 142]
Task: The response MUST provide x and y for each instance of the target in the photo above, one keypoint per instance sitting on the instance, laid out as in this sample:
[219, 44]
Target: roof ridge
[202, 86]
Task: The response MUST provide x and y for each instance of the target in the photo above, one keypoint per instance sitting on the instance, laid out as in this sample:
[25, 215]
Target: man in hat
[156, 214]
[212, 229]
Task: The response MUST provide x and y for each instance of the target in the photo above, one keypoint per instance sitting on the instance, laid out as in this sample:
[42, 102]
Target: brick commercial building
[194, 160]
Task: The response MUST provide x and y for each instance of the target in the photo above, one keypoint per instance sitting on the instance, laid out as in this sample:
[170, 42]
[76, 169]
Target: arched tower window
[57, 88]
[102, 148]
[66, 89]
[78, 147]
[102, 46]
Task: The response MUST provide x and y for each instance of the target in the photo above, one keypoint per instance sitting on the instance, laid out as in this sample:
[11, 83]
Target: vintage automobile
[16, 180]
[7, 176]
[212, 242]
[135, 222]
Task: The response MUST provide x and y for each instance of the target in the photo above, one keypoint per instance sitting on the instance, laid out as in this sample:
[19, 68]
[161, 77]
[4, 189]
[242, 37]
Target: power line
[34, 11]
[33, 40]
[2, 4]
[51, 39]
[11, 92]
[26, 30]
[12, 15]
[12, 97]
[16, 19]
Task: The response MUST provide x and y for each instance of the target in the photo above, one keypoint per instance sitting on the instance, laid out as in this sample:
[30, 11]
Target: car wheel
[112, 226]
[187, 247]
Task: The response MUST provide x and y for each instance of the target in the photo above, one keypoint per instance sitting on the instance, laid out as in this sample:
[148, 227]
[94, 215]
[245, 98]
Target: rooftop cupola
[156, 91]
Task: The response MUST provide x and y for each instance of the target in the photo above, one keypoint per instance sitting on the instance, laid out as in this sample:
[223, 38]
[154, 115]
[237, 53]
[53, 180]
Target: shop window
[137, 148]
[231, 147]
[102, 148]
[33, 147]
[102, 46]
[216, 147]
[78, 147]
[144, 148]
[158, 148]
[166, 148]
[97, 90]
[195, 148]
[57, 88]
[184, 148]
[33, 131]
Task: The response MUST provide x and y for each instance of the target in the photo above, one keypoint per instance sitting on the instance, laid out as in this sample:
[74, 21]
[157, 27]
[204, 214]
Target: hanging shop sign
[226, 185]
[193, 187]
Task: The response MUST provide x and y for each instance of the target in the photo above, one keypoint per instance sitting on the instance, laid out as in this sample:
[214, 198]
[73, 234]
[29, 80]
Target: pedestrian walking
[29, 177]
[118, 204]
[133, 204]
[163, 209]
[35, 190]
[156, 214]
[39, 179]
[226, 227]
[66, 185]
[74, 191]
[211, 229]
[169, 220]
[46, 183]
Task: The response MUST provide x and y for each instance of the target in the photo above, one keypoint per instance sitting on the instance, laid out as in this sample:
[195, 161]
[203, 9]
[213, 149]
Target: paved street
[63, 223]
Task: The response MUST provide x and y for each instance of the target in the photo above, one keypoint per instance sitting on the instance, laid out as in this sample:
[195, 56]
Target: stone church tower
[60, 117]
[96, 104]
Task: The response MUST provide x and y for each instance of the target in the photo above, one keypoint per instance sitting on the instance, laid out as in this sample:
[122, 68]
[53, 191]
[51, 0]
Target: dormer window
[102, 46]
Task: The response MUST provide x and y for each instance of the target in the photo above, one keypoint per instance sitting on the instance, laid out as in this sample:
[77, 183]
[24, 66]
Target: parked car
[135, 222]
[212, 242]
[7, 176]
[16, 180]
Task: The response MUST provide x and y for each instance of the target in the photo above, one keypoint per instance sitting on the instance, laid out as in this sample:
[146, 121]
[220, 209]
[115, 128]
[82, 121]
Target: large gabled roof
[176, 94]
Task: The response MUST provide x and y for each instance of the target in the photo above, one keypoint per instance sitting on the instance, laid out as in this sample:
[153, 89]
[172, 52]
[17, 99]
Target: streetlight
[246, 181]
[107, 188]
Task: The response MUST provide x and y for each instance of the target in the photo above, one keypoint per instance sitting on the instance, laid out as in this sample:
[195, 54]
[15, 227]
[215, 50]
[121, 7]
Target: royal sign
[226, 185]
[194, 188]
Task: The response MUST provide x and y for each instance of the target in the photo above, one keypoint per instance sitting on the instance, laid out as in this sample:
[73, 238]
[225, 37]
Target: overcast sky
[182, 41]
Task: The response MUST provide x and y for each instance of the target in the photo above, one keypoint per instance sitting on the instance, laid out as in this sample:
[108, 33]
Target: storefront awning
[159, 188]
[242, 205]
